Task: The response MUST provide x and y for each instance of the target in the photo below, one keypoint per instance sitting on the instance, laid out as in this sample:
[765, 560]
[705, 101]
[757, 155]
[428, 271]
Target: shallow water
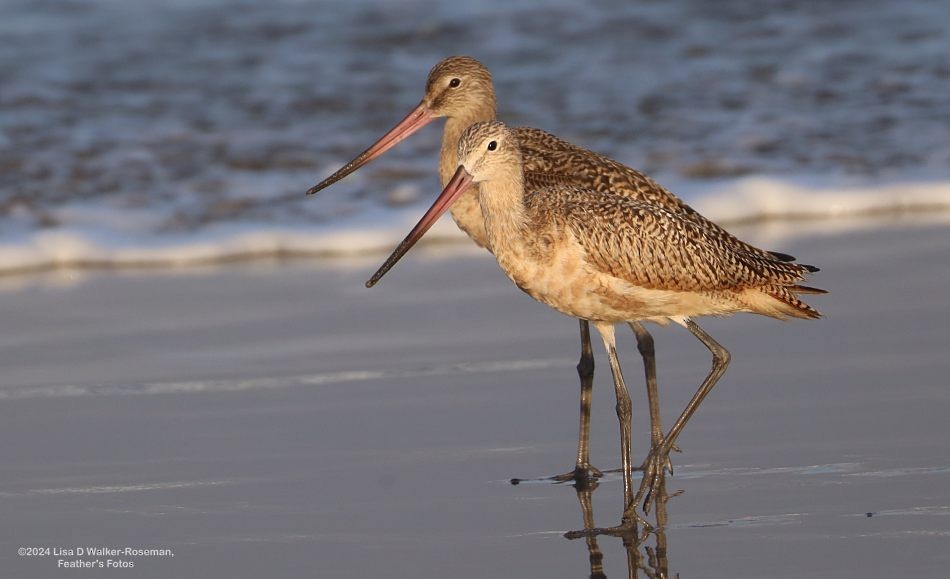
[282, 421]
[179, 131]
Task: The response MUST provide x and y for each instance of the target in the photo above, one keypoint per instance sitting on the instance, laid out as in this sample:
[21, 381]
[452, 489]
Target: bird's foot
[668, 466]
[654, 470]
[627, 529]
[582, 476]
[657, 442]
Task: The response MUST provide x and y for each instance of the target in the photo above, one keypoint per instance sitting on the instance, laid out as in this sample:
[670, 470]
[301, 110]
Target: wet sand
[283, 421]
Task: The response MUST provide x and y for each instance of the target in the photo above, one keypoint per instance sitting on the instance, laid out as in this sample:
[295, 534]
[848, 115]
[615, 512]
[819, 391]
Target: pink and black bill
[460, 183]
[415, 120]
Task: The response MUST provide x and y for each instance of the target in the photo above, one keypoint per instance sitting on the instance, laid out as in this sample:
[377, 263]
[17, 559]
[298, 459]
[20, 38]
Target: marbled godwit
[608, 258]
[460, 89]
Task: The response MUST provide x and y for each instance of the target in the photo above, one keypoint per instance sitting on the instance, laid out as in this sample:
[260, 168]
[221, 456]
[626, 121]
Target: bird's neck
[503, 208]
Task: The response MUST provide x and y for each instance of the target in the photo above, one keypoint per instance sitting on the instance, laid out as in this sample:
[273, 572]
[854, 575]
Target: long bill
[415, 120]
[458, 184]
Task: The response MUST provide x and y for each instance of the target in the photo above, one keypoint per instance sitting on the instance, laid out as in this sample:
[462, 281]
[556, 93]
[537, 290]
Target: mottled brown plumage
[547, 159]
[460, 89]
[620, 241]
[655, 248]
[611, 258]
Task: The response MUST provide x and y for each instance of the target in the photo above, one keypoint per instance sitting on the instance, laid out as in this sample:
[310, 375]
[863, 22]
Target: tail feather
[795, 307]
[804, 289]
[781, 256]
[783, 272]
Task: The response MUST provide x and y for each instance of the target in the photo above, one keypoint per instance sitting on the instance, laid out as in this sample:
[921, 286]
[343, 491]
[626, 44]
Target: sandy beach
[280, 420]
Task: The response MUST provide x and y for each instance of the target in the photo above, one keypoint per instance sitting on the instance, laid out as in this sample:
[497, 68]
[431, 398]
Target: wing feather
[655, 248]
[553, 162]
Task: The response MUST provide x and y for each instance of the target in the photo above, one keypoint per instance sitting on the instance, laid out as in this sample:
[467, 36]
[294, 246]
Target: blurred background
[169, 132]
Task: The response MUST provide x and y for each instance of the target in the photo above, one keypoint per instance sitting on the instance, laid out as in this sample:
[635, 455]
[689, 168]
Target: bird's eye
[455, 82]
[492, 145]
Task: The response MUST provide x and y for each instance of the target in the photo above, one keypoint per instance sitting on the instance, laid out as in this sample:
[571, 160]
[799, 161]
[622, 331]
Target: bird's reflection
[645, 544]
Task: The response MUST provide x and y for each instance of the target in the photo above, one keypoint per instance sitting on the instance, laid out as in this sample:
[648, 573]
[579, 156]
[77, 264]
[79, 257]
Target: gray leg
[653, 468]
[645, 345]
[624, 413]
[647, 352]
[583, 474]
[585, 371]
